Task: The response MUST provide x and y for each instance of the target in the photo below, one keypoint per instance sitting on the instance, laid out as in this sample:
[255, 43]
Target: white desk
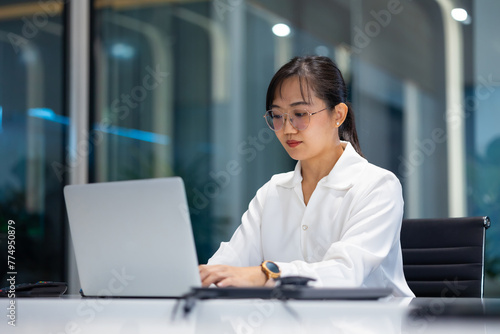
[127, 316]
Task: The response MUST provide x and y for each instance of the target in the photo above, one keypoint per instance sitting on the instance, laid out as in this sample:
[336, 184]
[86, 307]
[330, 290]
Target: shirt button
[304, 227]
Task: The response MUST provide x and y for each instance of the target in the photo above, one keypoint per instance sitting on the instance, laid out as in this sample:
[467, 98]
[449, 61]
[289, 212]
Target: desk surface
[73, 315]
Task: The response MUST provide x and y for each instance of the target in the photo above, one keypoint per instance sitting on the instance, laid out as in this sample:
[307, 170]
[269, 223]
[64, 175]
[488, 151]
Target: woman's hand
[222, 275]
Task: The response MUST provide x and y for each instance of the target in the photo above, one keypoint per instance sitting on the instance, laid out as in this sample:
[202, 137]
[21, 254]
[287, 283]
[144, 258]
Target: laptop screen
[133, 238]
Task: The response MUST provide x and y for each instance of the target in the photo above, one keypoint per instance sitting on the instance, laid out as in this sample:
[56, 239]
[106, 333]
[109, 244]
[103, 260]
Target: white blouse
[346, 236]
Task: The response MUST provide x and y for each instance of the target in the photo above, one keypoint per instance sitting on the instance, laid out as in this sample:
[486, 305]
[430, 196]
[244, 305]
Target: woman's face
[320, 138]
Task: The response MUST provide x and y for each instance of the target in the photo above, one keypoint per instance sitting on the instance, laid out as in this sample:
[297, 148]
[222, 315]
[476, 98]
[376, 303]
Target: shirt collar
[342, 176]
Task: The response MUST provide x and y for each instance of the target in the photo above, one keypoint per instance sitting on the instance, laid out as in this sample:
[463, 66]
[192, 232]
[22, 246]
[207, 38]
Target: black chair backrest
[444, 257]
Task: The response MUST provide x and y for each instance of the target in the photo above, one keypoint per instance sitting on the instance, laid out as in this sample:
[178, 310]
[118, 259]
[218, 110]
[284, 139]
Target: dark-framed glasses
[299, 118]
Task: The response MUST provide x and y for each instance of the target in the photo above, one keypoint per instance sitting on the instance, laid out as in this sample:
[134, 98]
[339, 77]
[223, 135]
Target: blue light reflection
[151, 137]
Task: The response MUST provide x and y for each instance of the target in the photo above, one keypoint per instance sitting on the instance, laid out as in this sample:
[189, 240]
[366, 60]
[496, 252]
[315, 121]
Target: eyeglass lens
[298, 118]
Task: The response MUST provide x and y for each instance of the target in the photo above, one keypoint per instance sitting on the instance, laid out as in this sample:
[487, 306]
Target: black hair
[323, 77]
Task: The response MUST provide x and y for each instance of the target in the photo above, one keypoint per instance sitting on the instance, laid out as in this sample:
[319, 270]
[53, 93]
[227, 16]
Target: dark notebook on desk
[297, 293]
[291, 287]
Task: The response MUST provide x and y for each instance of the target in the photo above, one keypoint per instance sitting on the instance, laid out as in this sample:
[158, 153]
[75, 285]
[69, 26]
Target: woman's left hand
[223, 275]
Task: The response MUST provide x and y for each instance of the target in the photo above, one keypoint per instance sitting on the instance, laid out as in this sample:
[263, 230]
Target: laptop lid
[133, 238]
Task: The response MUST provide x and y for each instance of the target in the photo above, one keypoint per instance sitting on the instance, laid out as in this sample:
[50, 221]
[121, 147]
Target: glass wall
[178, 88]
[482, 104]
[32, 130]
[188, 79]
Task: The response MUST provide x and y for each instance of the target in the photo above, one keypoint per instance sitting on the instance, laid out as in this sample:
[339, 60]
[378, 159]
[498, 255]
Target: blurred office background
[178, 88]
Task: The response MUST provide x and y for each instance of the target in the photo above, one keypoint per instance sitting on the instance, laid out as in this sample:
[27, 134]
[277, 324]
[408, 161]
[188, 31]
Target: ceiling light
[459, 14]
[281, 30]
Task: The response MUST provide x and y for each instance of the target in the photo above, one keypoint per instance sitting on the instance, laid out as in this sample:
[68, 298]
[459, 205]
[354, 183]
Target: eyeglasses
[299, 118]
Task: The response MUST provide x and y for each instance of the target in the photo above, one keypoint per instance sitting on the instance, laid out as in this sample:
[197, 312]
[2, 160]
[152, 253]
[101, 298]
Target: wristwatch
[271, 269]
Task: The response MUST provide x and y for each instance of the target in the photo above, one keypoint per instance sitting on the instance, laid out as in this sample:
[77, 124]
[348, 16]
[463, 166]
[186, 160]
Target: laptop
[133, 238]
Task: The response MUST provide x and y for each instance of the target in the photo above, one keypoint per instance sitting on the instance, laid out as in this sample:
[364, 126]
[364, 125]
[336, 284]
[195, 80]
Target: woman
[336, 218]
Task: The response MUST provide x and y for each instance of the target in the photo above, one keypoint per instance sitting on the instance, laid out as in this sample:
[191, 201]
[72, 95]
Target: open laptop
[133, 238]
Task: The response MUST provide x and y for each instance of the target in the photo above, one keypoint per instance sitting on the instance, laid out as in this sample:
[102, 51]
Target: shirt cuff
[287, 269]
[294, 269]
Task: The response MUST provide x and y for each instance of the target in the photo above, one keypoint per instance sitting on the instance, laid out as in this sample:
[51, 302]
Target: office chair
[444, 257]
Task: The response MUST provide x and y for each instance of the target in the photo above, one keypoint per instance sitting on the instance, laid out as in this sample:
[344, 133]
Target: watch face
[272, 267]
